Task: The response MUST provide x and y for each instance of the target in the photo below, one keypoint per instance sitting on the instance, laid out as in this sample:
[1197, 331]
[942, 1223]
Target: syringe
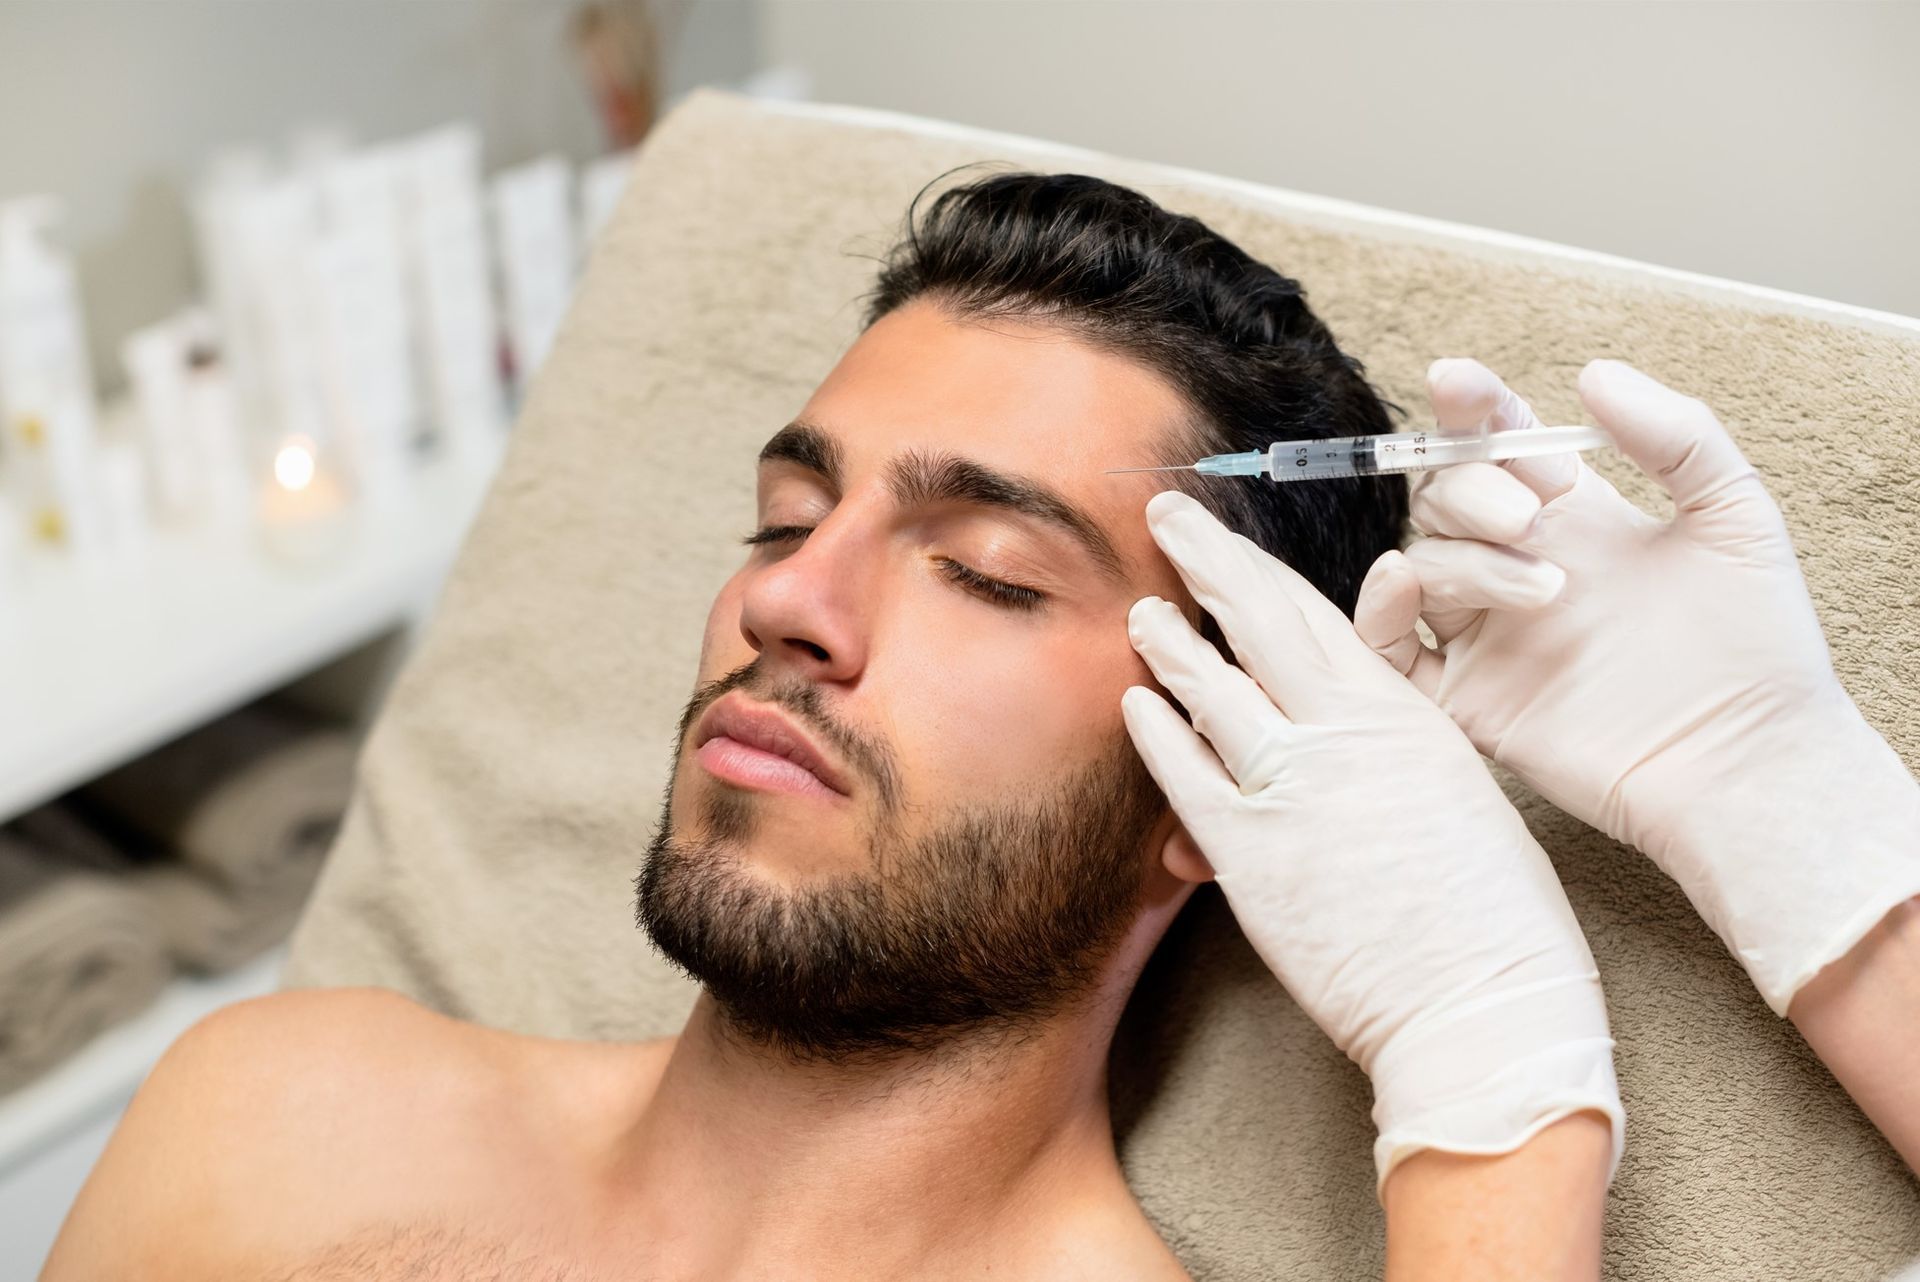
[1342, 456]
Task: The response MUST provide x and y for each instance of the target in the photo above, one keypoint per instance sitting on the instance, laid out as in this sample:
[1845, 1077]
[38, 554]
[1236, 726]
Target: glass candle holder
[304, 513]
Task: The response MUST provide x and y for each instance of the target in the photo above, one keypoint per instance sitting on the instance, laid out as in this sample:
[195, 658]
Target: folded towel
[79, 952]
[251, 801]
[244, 809]
[63, 837]
[197, 857]
[208, 928]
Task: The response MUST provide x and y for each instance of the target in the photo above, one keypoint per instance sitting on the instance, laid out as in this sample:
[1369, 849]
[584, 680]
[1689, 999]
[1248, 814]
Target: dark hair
[1233, 336]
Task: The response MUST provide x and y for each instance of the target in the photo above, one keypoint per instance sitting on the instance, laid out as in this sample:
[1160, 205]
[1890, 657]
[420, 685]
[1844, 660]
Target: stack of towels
[192, 859]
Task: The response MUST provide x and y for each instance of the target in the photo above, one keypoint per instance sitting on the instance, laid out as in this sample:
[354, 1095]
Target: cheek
[995, 709]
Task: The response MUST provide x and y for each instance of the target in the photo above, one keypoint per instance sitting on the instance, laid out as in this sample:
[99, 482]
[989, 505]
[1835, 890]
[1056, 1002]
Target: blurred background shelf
[98, 667]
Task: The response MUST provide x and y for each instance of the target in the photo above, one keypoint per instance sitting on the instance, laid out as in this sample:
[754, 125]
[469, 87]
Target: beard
[995, 918]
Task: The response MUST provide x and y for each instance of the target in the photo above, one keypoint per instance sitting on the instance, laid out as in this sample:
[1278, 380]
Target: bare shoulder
[1135, 1253]
[267, 1069]
[1107, 1239]
[249, 1122]
[311, 1038]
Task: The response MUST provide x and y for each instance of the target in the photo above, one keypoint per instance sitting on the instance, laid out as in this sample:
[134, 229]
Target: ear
[1181, 855]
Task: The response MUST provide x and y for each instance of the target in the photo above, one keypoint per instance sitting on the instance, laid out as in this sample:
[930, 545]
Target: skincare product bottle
[291, 384]
[534, 225]
[363, 326]
[156, 369]
[601, 185]
[120, 463]
[196, 464]
[46, 387]
[219, 199]
[444, 231]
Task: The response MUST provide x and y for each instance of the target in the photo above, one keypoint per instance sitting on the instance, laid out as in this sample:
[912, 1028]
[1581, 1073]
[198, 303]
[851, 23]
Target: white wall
[1772, 143]
[116, 104]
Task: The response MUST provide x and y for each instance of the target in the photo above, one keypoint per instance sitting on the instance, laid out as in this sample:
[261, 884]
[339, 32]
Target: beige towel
[250, 800]
[510, 784]
[210, 928]
[246, 808]
[79, 950]
[196, 857]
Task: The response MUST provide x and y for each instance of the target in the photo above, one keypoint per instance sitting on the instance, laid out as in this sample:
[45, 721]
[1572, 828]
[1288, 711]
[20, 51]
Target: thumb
[1674, 438]
[1385, 615]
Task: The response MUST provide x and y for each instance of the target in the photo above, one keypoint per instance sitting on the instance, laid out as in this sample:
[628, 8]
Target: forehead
[1018, 396]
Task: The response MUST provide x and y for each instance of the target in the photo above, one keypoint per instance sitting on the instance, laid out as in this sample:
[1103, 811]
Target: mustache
[865, 754]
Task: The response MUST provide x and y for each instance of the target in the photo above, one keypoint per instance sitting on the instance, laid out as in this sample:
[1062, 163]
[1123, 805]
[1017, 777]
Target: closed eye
[1013, 596]
[777, 534]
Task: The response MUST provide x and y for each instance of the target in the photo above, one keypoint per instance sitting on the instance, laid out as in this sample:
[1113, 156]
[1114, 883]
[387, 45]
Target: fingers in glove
[1227, 706]
[1288, 637]
[1176, 756]
[1385, 615]
[1474, 501]
[1674, 438]
[1466, 396]
[1466, 574]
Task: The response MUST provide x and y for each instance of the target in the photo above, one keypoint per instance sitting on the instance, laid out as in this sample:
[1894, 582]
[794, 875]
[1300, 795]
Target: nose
[806, 613]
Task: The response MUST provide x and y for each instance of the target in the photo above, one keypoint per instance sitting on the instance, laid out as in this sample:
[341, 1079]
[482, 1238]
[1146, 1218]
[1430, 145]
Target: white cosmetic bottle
[445, 232]
[533, 221]
[46, 387]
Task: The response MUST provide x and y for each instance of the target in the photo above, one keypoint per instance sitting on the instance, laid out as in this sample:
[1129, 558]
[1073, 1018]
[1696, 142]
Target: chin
[778, 839]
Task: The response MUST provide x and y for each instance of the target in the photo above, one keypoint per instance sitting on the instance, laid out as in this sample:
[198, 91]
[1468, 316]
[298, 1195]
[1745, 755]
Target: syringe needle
[1185, 467]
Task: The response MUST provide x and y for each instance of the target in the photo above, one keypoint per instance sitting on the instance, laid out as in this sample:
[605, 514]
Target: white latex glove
[1665, 681]
[1371, 859]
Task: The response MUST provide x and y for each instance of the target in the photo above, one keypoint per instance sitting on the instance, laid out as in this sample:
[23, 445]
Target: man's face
[934, 621]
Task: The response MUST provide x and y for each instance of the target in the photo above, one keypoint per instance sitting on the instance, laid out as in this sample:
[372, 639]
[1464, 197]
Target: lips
[761, 729]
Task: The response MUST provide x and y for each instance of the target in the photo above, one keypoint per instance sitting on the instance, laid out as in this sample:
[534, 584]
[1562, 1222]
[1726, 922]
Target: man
[907, 850]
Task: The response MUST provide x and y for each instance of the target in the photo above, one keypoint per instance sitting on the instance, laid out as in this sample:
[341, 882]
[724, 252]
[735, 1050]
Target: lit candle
[303, 509]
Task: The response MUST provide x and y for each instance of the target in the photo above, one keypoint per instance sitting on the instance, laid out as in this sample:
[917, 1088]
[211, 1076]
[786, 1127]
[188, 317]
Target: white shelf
[104, 1074]
[100, 665]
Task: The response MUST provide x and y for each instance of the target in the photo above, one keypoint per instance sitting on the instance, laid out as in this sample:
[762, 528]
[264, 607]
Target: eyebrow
[918, 479]
[810, 446]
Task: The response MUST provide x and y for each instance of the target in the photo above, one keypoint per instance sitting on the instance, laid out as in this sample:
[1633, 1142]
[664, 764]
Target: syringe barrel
[1341, 456]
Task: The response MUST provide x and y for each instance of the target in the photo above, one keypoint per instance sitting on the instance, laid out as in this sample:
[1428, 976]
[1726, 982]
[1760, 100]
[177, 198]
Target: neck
[742, 1161]
[767, 1158]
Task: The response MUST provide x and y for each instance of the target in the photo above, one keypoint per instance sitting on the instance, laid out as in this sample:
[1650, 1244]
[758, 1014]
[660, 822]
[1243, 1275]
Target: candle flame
[293, 465]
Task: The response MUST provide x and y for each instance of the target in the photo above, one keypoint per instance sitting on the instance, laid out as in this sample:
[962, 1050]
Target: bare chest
[442, 1253]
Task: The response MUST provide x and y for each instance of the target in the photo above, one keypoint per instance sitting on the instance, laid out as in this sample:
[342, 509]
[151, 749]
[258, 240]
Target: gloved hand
[1371, 859]
[1665, 681]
